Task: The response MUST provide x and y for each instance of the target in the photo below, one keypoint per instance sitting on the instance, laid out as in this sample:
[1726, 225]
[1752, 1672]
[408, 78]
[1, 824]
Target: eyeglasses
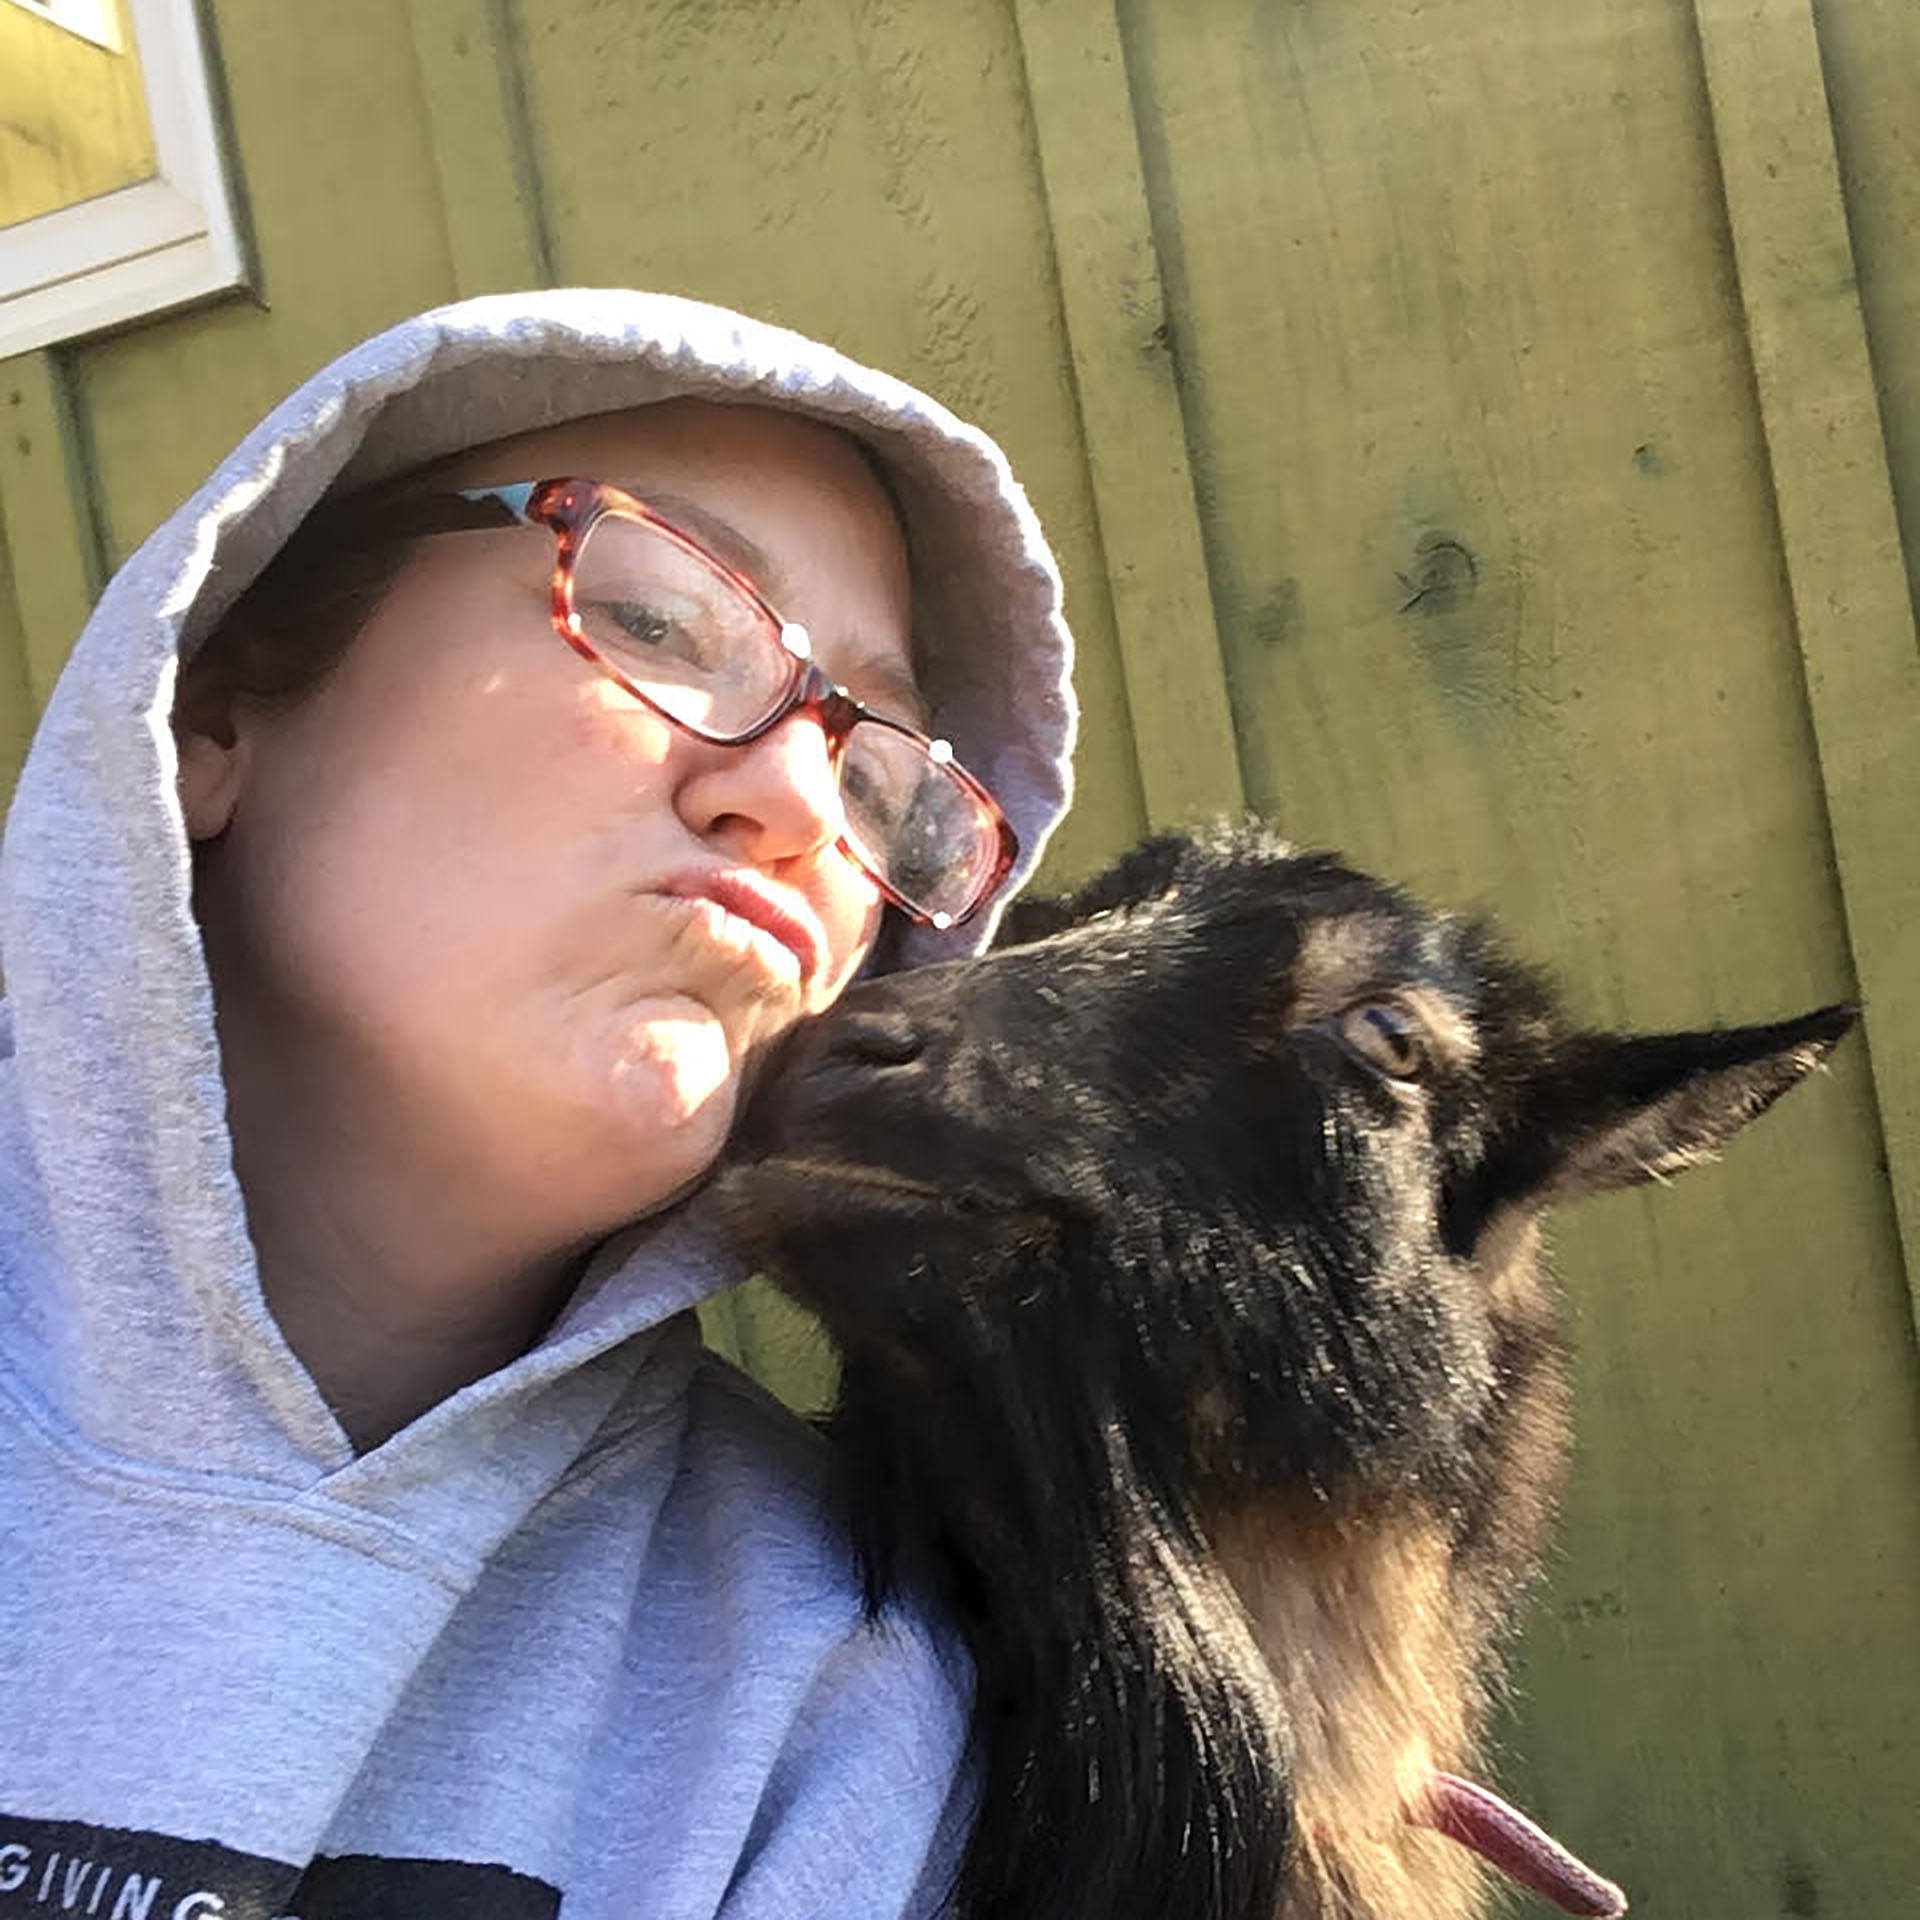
[695, 641]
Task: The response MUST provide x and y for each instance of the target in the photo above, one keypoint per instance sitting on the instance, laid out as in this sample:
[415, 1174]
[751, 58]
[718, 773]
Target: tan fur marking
[1357, 1622]
[854, 1173]
[1507, 1258]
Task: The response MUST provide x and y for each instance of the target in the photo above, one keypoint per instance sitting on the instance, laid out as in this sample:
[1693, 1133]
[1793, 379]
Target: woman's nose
[773, 799]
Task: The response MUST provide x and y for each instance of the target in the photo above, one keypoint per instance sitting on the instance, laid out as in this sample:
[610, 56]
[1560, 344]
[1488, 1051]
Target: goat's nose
[875, 1037]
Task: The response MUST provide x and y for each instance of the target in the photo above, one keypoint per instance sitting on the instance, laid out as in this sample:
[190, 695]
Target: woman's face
[461, 890]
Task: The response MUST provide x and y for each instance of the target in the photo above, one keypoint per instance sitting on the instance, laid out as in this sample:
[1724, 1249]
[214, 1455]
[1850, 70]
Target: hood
[117, 1167]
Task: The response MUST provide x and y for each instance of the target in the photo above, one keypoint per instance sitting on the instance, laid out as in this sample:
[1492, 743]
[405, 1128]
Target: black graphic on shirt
[50, 1867]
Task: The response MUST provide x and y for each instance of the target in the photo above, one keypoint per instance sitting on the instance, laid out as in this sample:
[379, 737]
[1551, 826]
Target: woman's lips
[746, 896]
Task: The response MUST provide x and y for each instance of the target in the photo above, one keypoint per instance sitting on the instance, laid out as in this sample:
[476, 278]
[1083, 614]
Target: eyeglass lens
[698, 649]
[707, 656]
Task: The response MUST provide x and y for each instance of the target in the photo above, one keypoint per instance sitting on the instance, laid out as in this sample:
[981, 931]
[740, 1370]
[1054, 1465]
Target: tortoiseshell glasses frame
[695, 641]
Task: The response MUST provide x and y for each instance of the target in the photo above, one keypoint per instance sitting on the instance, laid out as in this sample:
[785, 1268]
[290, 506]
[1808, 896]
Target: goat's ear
[1034, 918]
[1142, 874]
[1614, 1111]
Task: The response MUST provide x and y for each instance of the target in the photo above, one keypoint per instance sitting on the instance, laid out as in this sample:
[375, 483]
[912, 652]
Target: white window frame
[144, 248]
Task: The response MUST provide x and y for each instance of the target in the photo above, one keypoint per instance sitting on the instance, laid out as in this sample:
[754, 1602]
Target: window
[113, 202]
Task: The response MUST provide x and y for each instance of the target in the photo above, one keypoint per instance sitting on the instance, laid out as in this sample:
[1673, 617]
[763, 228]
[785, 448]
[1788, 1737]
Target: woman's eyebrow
[721, 536]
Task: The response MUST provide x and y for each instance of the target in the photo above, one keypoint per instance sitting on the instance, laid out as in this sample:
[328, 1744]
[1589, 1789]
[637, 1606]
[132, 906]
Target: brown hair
[292, 626]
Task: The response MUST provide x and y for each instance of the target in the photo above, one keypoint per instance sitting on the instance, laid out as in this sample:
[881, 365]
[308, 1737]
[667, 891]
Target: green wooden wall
[1484, 435]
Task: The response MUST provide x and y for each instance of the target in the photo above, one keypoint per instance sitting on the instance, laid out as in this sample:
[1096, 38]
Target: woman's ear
[213, 758]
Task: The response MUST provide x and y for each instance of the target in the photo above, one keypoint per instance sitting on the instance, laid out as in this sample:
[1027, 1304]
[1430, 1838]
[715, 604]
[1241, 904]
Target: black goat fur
[1182, 1256]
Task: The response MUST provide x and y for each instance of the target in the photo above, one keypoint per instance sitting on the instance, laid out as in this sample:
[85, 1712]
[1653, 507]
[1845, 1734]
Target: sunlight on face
[683, 1056]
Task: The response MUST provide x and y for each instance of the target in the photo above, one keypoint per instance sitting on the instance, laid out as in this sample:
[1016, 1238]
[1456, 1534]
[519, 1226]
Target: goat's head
[1182, 1254]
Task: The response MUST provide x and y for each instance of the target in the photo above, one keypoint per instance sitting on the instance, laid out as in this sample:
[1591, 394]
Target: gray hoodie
[582, 1639]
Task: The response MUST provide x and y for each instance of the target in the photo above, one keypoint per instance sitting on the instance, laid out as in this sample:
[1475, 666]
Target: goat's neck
[1356, 1622]
[1128, 1726]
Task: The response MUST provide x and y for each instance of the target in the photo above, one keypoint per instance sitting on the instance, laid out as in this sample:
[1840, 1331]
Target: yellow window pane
[73, 111]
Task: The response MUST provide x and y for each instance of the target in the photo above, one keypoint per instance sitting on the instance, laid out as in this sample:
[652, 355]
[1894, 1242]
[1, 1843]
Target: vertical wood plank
[1870, 54]
[1122, 346]
[472, 83]
[1838, 525]
[18, 708]
[53, 548]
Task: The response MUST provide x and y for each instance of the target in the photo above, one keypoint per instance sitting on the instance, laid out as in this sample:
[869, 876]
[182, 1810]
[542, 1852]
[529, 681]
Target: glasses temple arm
[513, 498]
[417, 516]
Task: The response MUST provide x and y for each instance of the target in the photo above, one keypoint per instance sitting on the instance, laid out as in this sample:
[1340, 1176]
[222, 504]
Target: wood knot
[1443, 576]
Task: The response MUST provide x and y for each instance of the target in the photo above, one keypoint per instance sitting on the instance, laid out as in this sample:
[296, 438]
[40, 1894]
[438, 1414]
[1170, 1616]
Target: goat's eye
[1385, 1035]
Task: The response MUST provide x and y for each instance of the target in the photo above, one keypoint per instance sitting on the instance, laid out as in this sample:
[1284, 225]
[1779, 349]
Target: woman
[379, 1539]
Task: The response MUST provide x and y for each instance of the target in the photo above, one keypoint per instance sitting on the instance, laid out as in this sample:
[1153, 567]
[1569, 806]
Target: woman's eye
[638, 628]
[631, 620]
[1386, 1035]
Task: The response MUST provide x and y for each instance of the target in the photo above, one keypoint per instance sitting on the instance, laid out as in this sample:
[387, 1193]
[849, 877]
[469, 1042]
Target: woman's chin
[672, 1067]
[666, 1089]
[628, 1115]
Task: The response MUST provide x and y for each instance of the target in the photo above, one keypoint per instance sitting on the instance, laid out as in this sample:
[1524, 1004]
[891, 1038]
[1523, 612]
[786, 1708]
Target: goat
[1183, 1257]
